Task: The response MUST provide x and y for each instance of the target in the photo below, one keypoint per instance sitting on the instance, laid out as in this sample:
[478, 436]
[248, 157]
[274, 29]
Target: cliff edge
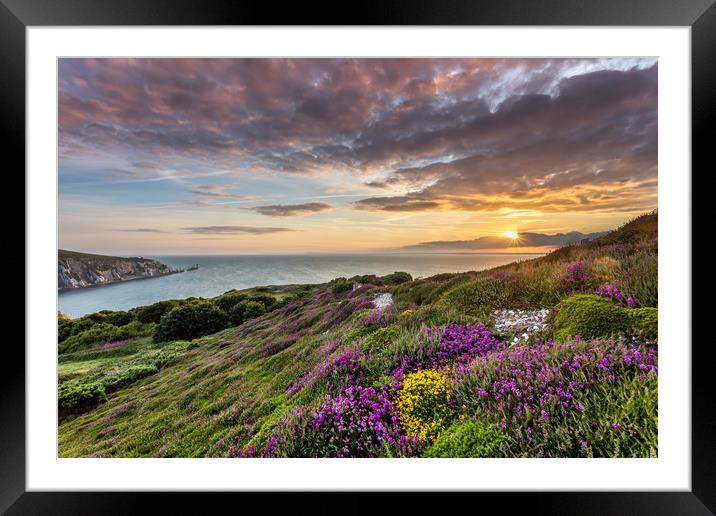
[78, 270]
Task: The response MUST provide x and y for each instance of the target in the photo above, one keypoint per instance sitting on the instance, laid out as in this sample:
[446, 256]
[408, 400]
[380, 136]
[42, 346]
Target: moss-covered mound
[589, 317]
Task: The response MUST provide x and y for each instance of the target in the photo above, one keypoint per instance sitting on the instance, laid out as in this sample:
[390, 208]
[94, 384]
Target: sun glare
[512, 235]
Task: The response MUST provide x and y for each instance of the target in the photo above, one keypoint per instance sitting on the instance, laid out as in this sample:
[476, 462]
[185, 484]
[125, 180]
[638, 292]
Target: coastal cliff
[77, 270]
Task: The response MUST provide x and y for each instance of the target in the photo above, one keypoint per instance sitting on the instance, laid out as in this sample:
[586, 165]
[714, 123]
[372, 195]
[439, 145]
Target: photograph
[357, 257]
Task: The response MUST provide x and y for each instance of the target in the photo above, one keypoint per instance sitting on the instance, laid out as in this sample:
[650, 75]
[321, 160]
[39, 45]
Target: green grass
[198, 398]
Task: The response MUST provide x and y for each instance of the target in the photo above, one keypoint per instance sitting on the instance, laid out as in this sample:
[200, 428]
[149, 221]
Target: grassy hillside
[554, 356]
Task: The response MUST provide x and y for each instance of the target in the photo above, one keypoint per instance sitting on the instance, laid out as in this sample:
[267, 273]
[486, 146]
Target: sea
[217, 274]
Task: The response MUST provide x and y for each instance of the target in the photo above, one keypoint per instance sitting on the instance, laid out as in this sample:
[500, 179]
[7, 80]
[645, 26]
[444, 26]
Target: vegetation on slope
[323, 372]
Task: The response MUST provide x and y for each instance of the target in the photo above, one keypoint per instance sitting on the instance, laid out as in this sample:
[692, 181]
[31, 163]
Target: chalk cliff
[77, 270]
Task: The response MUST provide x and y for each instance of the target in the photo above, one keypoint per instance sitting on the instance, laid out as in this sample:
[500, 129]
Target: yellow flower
[422, 404]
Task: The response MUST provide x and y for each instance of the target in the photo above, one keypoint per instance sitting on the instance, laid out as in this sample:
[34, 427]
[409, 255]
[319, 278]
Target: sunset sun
[512, 235]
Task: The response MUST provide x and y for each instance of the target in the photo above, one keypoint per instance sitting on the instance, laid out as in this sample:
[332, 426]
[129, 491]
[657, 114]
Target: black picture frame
[700, 15]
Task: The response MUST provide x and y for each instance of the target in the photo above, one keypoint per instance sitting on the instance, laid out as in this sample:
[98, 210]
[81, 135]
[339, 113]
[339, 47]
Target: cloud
[288, 210]
[395, 204]
[466, 134]
[597, 132]
[498, 242]
[222, 230]
[139, 230]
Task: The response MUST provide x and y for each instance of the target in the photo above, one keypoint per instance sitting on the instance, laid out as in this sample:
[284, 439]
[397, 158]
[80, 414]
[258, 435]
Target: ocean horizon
[219, 273]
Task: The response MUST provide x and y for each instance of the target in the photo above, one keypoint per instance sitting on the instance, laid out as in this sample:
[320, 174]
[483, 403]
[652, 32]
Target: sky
[254, 156]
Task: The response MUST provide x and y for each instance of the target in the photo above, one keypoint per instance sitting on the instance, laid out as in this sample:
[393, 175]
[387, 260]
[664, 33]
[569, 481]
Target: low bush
[357, 333]
[131, 375]
[153, 313]
[397, 278]
[340, 285]
[80, 325]
[96, 334]
[190, 321]
[76, 396]
[380, 339]
[266, 300]
[534, 291]
[472, 439]
[589, 316]
[426, 291]
[431, 316]
[64, 329]
[228, 300]
[644, 323]
[253, 309]
[119, 318]
[479, 297]
[96, 317]
[235, 314]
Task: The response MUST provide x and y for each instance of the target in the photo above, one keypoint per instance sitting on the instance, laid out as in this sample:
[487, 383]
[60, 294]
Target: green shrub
[268, 301]
[64, 329]
[228, 300]
[119, 318]
[190, 321]
[479, 297]
[417, 293]
[96, 317]
[473, 439]
[153, 313]
[380, 339]
[534, 291]
[340, 285]
[131, 375]
[430, 316]
[236, 314]
[644, 323]
[397, 278]
[97, 334]
[253, 309]
[76, 396]
[280, 303]
[589, 316]
[357, 333]
[414, 343]
[80, 325]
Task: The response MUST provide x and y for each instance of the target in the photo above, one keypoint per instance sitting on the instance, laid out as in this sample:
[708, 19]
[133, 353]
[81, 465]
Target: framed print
[417, 250]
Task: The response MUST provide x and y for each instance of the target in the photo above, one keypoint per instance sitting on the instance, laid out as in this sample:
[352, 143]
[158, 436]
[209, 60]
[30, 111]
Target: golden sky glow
[232, 156]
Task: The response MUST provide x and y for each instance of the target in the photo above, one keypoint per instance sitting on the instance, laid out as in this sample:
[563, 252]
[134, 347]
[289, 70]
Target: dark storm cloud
[222, 230]
[456, 133]
[288, 210]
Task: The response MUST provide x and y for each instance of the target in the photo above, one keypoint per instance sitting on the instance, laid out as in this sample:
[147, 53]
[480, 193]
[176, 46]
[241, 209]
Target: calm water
[217, 274]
